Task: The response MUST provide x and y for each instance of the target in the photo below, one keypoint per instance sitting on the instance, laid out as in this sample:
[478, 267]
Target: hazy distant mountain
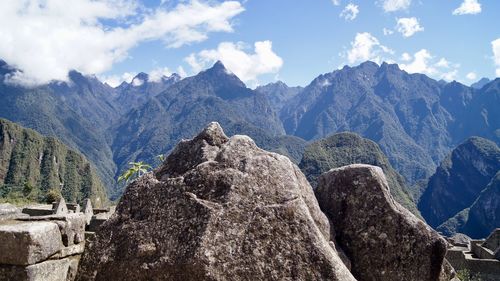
[459, 180]
[77, 113]
[142, 88]
[31, 166]
[415, 119]
[278, 93]
[479, 84]
[481, 116]
[348, 148]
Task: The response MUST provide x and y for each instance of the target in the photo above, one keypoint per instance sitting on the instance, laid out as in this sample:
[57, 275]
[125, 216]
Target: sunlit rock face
[218, 208]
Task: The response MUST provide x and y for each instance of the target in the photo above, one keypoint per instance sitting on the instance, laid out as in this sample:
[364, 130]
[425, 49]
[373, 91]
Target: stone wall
[478, 257]
[44, 247]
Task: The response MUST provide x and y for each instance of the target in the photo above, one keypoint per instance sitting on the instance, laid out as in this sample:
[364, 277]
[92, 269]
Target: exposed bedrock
[383, 240]
[219, 208]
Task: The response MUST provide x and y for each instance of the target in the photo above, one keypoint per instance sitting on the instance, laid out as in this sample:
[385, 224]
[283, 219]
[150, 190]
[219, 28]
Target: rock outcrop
[218, 209]
[383, 240]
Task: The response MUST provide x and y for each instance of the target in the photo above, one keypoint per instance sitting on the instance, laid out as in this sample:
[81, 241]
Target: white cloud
[424, 62]
[387, 31]
[420, 63]
[116, 80]
[443, 63]
[366, 47]
[47, 39]
[395, 5]
[450, 75]
[495, 45]
[182, 73]
[350, 12]
[471, 76]
[156, 74]
[136, 82]
[336, 2]
[468, 7]
[247, 66]
[408, 26]
[406, 57]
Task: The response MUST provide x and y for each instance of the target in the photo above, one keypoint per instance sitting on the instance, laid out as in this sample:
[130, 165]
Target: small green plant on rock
[136, 170]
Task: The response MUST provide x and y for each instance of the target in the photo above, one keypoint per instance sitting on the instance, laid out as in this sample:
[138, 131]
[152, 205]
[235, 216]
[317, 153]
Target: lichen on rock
[382, 239]
[218, 208]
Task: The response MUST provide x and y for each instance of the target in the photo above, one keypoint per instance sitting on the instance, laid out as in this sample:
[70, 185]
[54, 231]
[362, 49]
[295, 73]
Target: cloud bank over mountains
[47, 39]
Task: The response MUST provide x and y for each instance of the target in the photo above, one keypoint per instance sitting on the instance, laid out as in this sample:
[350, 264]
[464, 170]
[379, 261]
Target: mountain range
[415, 120]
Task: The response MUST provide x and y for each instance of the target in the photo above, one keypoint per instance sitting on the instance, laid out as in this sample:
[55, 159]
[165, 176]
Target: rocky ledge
[221, 208]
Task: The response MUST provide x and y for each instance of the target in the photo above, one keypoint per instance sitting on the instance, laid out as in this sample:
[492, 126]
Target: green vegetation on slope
[33, 168]
[348, 148]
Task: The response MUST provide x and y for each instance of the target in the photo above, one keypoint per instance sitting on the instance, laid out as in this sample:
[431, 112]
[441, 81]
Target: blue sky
[296, 40]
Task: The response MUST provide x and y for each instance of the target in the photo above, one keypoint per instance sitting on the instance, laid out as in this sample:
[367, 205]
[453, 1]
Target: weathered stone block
[28, 242]
[73, 207]
[60, 208]
[39, 210]
[72, 250]
[96, 221]
[72, 226]
[9, 212]
[8, 209]
[51, 270]
[493, 240]
[87, 210]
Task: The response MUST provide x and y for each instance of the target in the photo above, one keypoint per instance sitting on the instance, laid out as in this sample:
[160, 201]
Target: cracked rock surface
[218, 208]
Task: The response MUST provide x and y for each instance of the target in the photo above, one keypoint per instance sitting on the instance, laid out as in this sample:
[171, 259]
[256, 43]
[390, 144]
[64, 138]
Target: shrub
[52, 195]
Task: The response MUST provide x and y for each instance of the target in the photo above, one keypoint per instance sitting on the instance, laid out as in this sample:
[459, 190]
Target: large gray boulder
[218, 209]
[383, 240]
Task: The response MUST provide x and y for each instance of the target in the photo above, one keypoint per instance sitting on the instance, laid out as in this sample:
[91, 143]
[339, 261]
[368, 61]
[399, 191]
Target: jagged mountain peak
[220, 77]
[142, 76]
[368, 64]
[174, 76]
[480, 83]
[389, 67]
[219, 65]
